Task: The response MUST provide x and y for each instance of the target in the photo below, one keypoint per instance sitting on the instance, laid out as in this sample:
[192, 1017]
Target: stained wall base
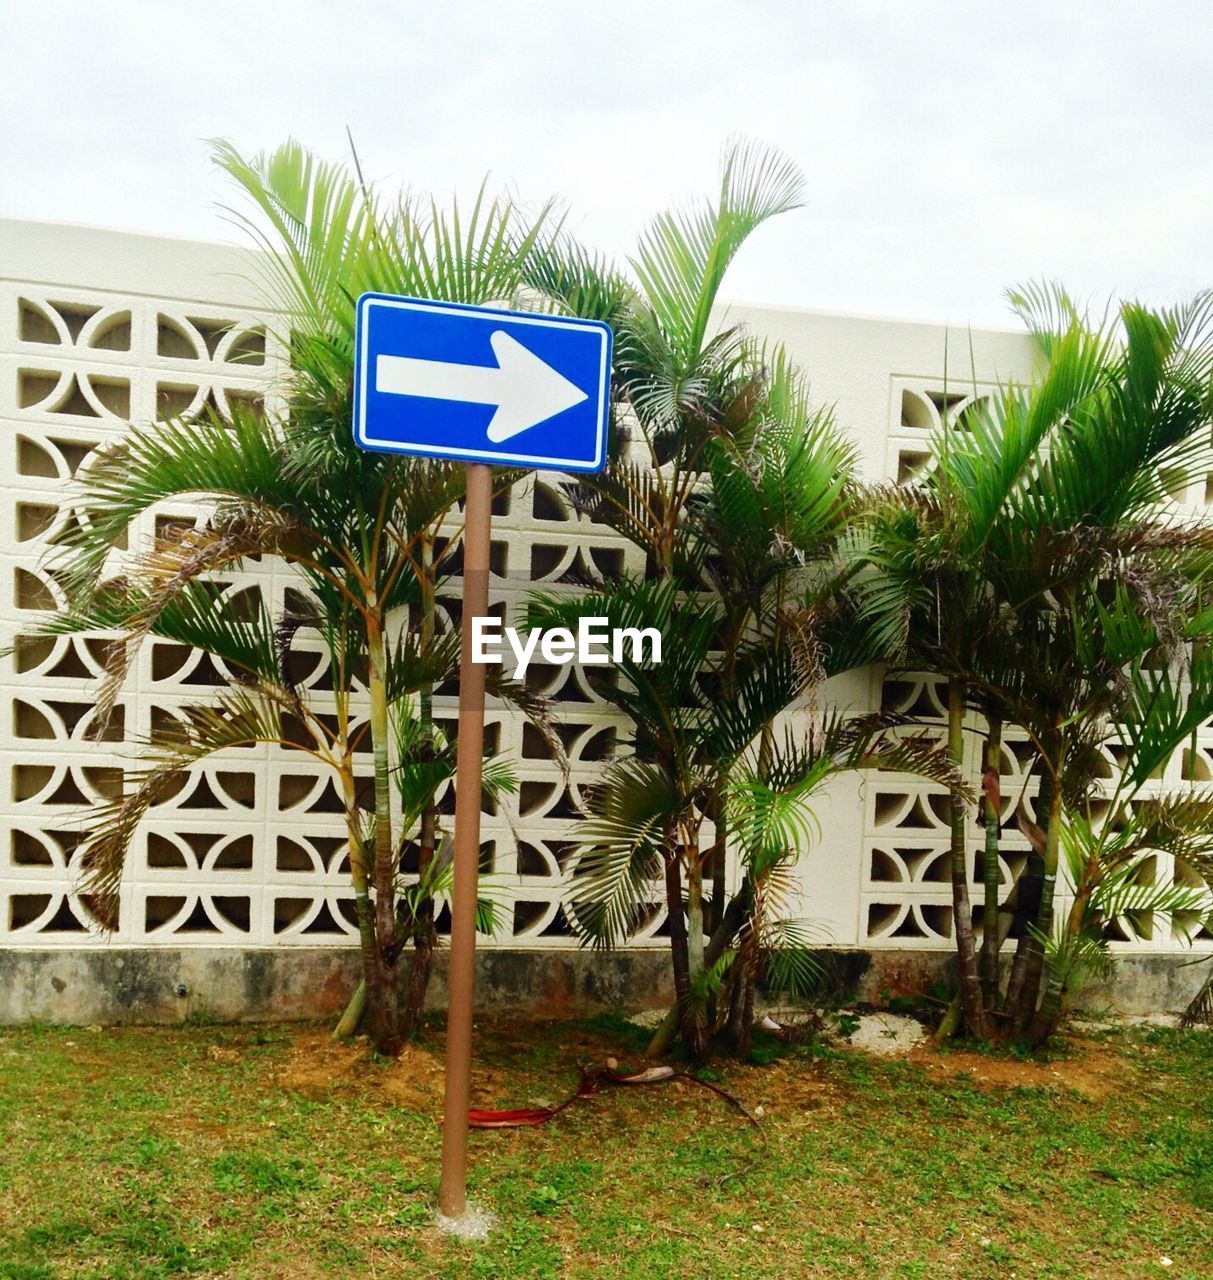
[170, 986]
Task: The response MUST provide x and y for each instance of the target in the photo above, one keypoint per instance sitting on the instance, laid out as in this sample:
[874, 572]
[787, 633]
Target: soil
[316, 1066]
[1091, 1068]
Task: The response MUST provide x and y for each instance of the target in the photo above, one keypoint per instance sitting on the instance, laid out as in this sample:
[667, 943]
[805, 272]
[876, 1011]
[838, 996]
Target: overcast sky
[951, 149]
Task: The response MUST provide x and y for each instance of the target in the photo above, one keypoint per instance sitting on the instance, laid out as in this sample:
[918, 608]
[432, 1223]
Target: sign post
[452, 1188]
[447, 381]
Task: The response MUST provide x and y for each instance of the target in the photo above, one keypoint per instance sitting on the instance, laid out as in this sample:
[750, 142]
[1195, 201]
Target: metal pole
[452, 1189]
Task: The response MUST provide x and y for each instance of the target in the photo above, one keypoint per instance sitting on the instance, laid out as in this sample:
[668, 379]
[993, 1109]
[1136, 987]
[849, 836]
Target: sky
[951, 150]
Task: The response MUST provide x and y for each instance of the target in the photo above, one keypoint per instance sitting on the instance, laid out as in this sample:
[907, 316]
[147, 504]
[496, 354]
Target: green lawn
[259, 1152]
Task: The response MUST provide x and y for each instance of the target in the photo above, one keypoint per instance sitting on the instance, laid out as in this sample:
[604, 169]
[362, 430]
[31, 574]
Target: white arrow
[525, 389]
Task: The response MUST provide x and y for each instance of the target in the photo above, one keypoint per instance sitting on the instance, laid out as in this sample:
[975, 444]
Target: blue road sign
[475, 384]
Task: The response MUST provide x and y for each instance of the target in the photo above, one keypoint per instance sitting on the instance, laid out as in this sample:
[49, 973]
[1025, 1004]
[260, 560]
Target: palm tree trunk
[1200, 1008]
[1027, 893]
[962, 911]
[694, 1014]
[1034, 965]
[372, 977]
[678, 932]
[734, 913]
[749, 986]
[1051, 1004]
[695, 942]
[418, 987]
[385, 1019]
[990, 941]
[371, 984]
[954, 1014]
[1019, 968]
[424, 938]
[714, 863]
[736, 1000]
[355, 1011]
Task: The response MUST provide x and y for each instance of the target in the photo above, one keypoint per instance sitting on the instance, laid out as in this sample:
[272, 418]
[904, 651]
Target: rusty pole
[469, 759]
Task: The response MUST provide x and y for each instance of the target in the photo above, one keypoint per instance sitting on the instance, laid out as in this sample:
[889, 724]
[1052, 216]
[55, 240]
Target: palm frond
[412, 663]
[1128, 890]
[791, 960]
[579, 281]
[237, 718]
[622, 845]
[234, 463]
[683, 255]
[1070, 956]
[438, 881]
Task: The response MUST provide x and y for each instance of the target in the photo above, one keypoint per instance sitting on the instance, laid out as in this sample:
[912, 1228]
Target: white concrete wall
[98, 327]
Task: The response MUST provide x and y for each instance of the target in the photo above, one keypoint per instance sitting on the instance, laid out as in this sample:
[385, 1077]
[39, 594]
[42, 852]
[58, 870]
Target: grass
[267, 1152]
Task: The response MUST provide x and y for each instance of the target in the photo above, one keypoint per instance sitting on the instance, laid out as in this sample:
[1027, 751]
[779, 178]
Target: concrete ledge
[1140, 985]
[167, 986]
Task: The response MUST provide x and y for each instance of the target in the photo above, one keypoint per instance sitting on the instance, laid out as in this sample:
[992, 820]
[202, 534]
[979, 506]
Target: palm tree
[369, 537]
[1110, 838]
[779, 491]
[1047, 528]
[705, 729]
[736, 491]
[682, 384]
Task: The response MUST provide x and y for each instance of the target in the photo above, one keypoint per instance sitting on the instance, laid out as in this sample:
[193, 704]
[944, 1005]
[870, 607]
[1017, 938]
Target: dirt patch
[1093, 1069]
[316, 1067]
[786, 1087]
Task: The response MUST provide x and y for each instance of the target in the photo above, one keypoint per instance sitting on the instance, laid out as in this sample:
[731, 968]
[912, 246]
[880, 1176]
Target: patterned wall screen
[251, 851]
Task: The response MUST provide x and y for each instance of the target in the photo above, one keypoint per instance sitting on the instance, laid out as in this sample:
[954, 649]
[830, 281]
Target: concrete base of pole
[473, 1224]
